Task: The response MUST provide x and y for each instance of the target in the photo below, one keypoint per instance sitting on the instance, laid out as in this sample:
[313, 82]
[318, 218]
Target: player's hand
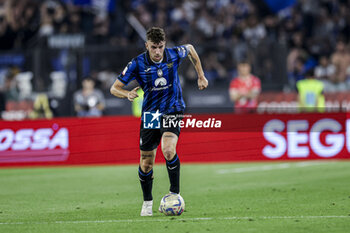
[133, 94]
[202, 82]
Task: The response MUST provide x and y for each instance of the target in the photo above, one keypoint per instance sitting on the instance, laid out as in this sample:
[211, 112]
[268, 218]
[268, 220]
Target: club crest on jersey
[160, 72]
[160, 83]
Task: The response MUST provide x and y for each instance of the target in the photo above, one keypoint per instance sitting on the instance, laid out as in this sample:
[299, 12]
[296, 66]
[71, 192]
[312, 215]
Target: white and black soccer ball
[172, 204]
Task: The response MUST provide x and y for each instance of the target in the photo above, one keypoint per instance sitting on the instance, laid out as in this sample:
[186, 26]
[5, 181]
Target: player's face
[88, 84]
[244, 69]
[155, 50]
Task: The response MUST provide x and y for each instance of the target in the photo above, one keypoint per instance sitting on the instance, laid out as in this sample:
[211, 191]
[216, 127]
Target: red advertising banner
[204, 138]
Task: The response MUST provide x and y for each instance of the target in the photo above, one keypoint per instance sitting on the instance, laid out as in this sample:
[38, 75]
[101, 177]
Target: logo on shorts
[151, 120]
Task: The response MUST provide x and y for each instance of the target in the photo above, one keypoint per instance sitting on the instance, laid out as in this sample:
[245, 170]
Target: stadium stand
[78, 38]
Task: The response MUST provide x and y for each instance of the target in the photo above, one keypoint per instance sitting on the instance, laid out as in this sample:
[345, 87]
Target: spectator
[296, 51]
[306, 31]
[310, 93]
[2, 91]
[255, 31]
[101, 29]
[213, 69]
[60, 19]
[8, 28]
[75, 21]
[10, 85]
[325, 70]
[341, 60]
[47, 11]
[244, 89]
[41, 108]
[89, 102]
[297, 73]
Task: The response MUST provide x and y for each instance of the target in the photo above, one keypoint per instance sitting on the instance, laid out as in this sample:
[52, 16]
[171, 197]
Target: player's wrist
[201, 75]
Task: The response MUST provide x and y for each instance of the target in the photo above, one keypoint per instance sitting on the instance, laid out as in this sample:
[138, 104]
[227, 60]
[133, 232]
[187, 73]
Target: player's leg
[149, 141]
[169, 142]
[146, 173]
[146, 180]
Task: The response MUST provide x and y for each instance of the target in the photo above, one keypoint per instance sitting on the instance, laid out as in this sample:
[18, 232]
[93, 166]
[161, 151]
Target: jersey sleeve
[234, 84]
[181, 51]
[256, 83]
[129, 72]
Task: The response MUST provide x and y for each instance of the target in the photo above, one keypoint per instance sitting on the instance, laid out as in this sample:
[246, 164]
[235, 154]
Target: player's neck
[245, 76]
[157, 62]
[87, 91]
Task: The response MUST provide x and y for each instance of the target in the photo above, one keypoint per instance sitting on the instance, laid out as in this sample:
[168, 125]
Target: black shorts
[150, 138]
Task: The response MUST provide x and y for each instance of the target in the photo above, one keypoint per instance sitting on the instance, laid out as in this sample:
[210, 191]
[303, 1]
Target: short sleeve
[234, 84]
[318, 72]
[298, 85]
[181, 51]
[257, 83]
[101, 98]
[128, 73]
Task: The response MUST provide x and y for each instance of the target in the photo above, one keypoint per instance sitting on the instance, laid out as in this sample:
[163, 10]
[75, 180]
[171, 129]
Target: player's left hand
[133, 94]
[202, 82]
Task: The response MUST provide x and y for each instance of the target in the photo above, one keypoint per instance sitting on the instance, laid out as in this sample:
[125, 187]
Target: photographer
[89, 102]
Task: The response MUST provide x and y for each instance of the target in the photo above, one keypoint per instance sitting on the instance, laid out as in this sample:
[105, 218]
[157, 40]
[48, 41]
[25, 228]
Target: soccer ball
[172, 204]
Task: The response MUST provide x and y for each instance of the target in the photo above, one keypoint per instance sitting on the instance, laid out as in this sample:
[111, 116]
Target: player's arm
[101, 101]
[234, 94]
[124, 78]
[118, 91]
[192, 54]
[254, 93]
[299, 98]
[77, 106]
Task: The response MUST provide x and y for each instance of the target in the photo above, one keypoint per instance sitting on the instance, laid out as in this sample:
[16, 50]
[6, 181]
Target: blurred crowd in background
[282, 40]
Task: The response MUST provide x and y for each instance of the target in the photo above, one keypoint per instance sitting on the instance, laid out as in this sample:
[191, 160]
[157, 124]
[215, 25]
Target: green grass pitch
[235, 197]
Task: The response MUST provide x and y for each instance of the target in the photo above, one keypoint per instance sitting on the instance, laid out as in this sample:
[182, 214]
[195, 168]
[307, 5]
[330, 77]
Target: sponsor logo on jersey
[160, 82]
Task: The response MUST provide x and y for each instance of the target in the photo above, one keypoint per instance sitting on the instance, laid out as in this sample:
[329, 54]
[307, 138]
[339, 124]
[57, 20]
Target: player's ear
[146, 45]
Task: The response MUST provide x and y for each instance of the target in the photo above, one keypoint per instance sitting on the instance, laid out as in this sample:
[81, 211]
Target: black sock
[146, 180]
[173, 167]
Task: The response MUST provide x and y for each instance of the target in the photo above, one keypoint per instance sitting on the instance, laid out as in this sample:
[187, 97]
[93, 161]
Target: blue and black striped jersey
[159, 81]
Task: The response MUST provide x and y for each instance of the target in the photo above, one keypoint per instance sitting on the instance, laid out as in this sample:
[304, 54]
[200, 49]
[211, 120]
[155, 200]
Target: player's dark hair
[244, 60]
[310, 73]
[156, 35]
[88, 78]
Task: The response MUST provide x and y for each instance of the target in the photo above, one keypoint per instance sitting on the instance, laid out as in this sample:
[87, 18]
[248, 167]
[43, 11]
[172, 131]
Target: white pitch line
[269, 167]
[150, 219]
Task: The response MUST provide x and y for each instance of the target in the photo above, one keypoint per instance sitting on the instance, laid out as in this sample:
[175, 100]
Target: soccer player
[156, 72]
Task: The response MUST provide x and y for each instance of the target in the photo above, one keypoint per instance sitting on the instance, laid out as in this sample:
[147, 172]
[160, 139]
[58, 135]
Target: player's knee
[146, 166]
[168, 153]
